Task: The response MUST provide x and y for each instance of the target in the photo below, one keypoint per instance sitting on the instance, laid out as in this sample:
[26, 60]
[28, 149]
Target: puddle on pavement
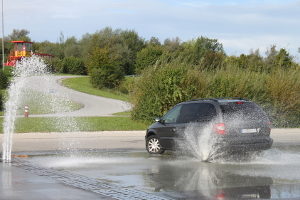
[273, 174]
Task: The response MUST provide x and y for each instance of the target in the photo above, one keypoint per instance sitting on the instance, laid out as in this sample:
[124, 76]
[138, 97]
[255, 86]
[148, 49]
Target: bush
[72, 65]
[1, 101]
[283, 90]
[3, 80]
[158, 89]
[68, 65]
[56, 65]
[106, 76]
[126, 86]
[236, 83]
[147, 57]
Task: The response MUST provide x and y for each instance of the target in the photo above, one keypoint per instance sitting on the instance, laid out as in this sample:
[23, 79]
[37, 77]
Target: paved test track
[92, 105]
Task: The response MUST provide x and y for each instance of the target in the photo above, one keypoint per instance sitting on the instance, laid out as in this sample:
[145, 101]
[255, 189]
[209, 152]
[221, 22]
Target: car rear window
[243, 111]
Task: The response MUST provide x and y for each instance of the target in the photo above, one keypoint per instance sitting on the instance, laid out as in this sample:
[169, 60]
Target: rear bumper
[249, 146]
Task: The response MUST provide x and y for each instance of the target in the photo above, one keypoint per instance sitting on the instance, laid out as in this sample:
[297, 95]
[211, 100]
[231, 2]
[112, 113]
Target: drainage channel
[86, 183]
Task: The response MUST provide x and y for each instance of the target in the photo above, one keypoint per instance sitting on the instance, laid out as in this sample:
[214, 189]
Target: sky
[240, 25]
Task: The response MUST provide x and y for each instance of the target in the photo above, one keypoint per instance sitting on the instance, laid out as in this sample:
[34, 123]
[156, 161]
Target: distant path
[92, 105]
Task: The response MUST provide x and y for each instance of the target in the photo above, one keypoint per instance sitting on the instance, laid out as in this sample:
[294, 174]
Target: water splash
[27, 67]
[199, 142]
[32, 74]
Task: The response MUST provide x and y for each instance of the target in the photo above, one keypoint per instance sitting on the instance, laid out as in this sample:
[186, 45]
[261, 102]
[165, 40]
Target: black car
[239, 125]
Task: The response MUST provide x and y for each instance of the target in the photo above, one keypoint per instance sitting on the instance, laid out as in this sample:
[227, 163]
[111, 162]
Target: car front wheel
[153, 145]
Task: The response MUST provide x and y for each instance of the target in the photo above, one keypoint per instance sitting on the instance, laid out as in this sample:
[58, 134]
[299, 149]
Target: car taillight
[219, 128]
[220, 196]
[239, 102]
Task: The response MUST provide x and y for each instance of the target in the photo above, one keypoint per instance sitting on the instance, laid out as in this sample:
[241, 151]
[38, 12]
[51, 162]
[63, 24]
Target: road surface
[92, 105]
[115, 165]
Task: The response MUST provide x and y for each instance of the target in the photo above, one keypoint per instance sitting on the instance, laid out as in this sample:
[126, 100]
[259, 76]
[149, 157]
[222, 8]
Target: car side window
[172, 115]
[196, 112]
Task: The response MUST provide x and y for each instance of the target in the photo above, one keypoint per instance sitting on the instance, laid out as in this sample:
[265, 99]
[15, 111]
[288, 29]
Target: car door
[167, 130]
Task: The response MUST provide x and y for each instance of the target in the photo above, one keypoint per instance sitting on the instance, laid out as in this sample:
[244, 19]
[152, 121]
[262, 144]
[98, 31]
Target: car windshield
[243, 111]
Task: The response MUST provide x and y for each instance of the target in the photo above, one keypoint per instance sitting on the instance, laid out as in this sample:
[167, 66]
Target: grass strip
[53, 124]
[82, 84]
[124, 114]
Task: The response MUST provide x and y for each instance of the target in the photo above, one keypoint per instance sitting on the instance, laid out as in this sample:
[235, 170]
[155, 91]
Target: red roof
[21, 42]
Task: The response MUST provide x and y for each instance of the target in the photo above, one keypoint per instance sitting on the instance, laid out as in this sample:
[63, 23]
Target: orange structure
[21, 49]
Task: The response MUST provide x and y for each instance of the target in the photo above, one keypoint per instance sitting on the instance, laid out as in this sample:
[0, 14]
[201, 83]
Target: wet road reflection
[273, 175]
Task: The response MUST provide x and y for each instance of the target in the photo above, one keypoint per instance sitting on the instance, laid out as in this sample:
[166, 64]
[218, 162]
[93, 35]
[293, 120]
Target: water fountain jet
[27, 67]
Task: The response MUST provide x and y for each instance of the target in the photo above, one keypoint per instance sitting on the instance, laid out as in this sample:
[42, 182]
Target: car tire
[153, 145]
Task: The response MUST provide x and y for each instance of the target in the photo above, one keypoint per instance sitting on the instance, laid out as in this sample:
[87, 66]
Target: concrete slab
[17, 183]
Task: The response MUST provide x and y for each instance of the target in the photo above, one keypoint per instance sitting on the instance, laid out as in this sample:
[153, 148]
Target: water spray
[27, 67]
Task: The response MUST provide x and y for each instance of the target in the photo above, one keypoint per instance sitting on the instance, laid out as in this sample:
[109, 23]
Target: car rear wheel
[153, 145]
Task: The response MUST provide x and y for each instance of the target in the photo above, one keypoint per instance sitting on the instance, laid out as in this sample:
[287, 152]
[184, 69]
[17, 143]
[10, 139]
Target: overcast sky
[241, 25]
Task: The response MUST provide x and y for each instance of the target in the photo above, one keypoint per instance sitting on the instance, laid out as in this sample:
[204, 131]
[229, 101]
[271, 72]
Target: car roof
[219, 100]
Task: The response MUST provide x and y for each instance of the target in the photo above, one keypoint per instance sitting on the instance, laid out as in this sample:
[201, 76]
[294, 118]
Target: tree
[133, 43]
[106, 76]
[19, 35]
[104, 68]
[124, 46]
[203, 52]
[72, 48]
[278, 59]
[283, 59]
[172, 44]
[147, 57]
[54, 49]
[154, 41]
[204, 46]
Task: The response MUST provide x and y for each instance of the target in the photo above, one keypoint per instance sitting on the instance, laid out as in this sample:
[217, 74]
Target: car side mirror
[159, 120]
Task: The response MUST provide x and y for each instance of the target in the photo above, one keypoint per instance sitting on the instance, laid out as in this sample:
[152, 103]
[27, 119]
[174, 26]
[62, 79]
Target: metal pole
[2, 37]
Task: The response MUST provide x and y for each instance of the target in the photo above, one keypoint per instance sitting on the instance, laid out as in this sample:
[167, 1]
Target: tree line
[111, 54]
[173, 71]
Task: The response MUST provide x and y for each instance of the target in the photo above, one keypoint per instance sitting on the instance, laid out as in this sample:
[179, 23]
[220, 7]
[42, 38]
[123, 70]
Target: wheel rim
[153, 145]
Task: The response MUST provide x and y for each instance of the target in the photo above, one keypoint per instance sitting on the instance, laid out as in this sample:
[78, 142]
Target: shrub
[147, 57]
[68, 65]
[74, 65]
[236, 83]
[277, 92]
[3, 80]
[158, 89]
[56, 65]
[126, 86]
[283, 90]
[1, 101]
[108, 76]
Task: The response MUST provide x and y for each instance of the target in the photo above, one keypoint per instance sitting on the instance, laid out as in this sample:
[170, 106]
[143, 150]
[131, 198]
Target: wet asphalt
[274, 174]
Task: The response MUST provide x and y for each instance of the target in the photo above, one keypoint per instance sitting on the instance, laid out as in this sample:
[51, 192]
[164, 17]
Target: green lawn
[83, 84]
[51, 124]
[124, 114]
